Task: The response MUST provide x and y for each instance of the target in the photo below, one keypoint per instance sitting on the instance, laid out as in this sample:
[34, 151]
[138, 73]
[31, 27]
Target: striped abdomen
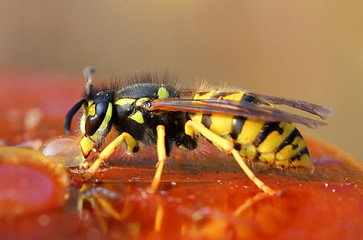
[278, 144]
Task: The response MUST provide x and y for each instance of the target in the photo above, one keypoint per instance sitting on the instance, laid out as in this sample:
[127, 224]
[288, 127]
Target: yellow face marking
[163, 93]
[86, 112]
[137, 117]
[141, 101]
[274, 139]
[82, 123]
[91, 110]
[124, 101]
[86, 145]
[235, 96]
[251, 129]
[221, 124]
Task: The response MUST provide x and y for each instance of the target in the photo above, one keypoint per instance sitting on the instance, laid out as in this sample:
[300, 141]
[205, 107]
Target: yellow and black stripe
[278, 144]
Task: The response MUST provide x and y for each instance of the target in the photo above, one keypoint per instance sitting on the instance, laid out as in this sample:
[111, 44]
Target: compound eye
[95, 121]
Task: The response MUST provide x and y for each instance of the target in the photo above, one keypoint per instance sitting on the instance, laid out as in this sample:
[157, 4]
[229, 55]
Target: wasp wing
[321, 111]
[228, 107]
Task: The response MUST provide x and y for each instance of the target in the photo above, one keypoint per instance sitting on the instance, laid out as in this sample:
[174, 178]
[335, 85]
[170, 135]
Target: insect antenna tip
[87, 72]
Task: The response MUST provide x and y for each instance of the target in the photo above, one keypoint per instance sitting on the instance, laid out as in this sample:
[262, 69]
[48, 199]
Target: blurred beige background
[308, 50]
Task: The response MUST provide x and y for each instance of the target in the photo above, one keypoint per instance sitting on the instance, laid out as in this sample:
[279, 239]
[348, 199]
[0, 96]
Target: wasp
[246, 125]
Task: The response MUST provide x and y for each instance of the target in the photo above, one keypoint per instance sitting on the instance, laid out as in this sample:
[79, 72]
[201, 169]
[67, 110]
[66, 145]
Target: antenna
[87, 72]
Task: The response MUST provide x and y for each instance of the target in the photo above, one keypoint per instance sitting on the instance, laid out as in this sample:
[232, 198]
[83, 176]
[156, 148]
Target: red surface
[203, 195]
[29, 183]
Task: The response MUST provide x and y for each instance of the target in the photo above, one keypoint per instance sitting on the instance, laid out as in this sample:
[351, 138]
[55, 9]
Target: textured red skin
[30, 183]
[199, 193]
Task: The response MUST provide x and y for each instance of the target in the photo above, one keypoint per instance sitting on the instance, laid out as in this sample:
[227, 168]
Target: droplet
[65, 150]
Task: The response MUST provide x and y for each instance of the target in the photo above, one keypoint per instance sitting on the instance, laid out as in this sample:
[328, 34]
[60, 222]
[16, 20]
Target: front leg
[131, 144]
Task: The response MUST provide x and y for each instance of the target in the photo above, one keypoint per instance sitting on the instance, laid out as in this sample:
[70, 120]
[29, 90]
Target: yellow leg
[107, 206]
[159, 217]
[161, 156]
[249, 202]
[109, 149]
[228, 147]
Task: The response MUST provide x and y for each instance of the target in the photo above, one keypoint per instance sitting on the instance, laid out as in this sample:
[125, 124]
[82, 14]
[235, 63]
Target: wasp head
[95, 122]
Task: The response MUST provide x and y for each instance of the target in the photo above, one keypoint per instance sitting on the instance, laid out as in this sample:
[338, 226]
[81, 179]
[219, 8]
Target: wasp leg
[84, 165]
[159, 217]
[99, 198]
[161, 157]
[226, 145]
[248, 203]
[110, 148]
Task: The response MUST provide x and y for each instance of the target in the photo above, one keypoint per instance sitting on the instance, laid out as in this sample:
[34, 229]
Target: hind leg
[226, 145]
